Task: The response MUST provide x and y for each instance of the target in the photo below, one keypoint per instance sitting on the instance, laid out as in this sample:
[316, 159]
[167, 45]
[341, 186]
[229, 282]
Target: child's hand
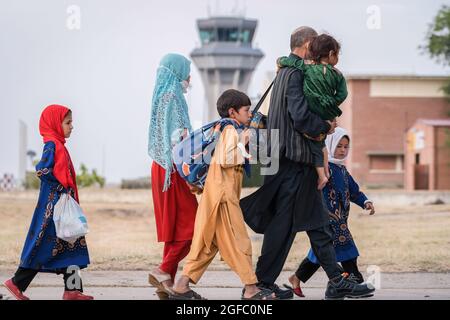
[244, 139]
[369, 206]
[279, 66]
[333, 123]
[194, 189]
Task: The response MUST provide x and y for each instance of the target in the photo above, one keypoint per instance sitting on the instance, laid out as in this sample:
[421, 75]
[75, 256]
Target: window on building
[245, 36]
[228, 34]
[417, 158]
[386, 163]
[207, 36]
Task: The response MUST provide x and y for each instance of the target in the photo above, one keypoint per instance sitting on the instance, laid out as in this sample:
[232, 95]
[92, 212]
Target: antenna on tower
[239, 8]
[217, 7]
[208, 9]
[235, 8]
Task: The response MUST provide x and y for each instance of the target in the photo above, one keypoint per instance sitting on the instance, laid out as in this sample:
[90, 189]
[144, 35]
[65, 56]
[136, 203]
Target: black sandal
[189, 295]
[162, 295]
[263, 294]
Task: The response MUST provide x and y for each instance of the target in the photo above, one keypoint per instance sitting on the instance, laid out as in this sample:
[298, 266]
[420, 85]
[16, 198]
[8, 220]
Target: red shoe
[297, 290]
[9, 284]
[76, 295]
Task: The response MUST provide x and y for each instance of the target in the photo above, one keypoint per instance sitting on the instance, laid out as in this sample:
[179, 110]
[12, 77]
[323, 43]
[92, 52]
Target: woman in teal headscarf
[174, 205]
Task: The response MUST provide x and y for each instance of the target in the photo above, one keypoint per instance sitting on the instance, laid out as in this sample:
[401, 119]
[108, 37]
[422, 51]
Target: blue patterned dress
[43, 251]
[338, 193]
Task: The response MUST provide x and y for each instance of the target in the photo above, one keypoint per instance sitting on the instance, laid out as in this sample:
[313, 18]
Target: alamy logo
[374, 19]
[374, 276]
[199, 149]
[73, 21]
[74, 280]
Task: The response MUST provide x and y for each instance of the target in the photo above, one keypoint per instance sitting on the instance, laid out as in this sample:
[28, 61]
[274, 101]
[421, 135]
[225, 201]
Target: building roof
[368, 76]
[435, 122]
[227, 22]
[394, 77]
[384, 153]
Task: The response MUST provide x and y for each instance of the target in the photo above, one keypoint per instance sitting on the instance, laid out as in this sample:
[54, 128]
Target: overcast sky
[105, 71]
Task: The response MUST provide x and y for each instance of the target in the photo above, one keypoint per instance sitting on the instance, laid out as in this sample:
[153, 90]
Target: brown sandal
[157, 280]
[189, 295]
[162, 295]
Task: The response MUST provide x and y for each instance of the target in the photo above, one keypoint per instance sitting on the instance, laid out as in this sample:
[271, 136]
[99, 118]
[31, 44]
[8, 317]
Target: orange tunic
[219, 224]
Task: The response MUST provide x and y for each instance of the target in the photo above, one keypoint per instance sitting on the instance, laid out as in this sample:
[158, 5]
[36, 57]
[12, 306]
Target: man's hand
[369, 206]
[333, 125]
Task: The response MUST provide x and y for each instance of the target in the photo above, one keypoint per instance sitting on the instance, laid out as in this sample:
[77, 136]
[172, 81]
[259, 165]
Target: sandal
[263, 294]
[298, 291]
[162, 295]
[189, 295]
[157, 280]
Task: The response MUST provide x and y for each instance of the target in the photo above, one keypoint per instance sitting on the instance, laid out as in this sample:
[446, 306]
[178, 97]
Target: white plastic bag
[70, 221]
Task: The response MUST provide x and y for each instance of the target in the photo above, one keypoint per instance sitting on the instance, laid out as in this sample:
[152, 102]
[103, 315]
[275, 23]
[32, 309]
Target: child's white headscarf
[332, 142]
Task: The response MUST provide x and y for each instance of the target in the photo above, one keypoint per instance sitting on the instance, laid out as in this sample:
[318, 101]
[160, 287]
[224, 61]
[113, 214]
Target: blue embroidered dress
[338, 193]
[43, 251]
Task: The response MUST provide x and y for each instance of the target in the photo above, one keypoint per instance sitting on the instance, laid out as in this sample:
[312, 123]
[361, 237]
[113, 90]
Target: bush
[141, 183]
[31, 181]
[86, 179]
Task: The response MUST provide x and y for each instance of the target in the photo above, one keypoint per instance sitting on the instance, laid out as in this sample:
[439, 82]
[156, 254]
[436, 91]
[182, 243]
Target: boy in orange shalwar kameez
[219, 224]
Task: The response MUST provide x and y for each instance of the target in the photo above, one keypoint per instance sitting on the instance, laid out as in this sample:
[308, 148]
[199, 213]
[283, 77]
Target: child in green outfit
[325, 89]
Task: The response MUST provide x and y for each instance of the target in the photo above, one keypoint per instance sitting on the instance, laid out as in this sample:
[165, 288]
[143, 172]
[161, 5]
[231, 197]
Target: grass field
[122, 233]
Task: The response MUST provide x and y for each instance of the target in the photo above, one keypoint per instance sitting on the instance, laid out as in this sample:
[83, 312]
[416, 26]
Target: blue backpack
[192, 156]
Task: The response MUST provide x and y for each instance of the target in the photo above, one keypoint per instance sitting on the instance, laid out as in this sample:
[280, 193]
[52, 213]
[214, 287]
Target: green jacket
[324, 86]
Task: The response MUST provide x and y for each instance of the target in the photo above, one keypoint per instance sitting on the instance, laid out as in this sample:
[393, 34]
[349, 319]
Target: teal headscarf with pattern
[169, 114]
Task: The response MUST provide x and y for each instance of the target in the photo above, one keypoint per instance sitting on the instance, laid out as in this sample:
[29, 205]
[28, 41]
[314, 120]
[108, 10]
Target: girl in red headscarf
[43, 251]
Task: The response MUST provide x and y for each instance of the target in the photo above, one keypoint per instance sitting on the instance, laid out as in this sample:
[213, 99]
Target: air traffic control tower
[226, 58]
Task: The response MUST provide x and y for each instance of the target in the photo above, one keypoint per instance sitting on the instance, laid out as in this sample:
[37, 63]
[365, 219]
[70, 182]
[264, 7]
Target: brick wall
[379, 125]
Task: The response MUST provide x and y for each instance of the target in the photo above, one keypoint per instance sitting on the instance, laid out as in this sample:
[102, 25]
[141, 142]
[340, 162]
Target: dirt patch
[123, 235]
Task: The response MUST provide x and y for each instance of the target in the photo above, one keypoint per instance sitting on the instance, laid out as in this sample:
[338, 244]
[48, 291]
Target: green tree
[438, 42]
[438, 46]
[84, 178]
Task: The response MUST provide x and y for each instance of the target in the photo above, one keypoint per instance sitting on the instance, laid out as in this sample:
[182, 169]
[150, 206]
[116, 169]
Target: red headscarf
[50, 127]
